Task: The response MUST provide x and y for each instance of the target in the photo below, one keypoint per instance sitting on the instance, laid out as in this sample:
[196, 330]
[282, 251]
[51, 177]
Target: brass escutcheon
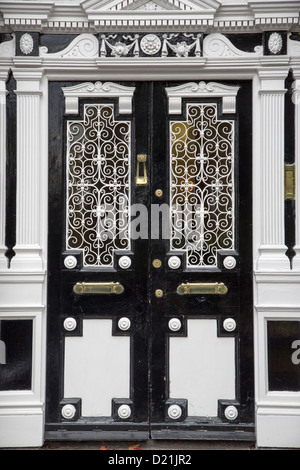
[158, 193]
[156, 263]
[159, 293]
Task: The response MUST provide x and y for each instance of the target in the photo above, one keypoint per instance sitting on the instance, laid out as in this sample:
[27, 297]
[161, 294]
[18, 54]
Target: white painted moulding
[98, 90]
[202, 90]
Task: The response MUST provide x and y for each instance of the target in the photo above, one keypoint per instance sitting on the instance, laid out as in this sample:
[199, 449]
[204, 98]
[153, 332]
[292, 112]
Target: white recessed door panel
[97, 367]
[202, 367]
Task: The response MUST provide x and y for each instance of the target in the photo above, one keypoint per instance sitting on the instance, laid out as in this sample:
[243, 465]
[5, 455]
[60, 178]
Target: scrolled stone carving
[124, 411]
[174, 411]
[218, 45]
[26, 43]
[84, 45]
[231, 412]
[7, 48]
[68, 411]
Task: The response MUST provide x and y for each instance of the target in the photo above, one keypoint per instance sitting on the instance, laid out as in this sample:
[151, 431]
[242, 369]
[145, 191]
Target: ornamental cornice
[142, 15]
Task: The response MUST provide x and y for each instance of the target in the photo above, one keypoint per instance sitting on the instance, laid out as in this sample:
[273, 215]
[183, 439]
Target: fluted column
[272, 249]
[3, 93]
[28, 251]
[296, 101]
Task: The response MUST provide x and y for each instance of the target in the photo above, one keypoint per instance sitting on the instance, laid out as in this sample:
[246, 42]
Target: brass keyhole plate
[159, 293]
[156, 263]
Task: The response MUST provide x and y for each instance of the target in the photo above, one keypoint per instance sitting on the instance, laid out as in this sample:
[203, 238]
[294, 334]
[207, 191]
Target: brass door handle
[202, 288]
[141, 180]
[98, 288]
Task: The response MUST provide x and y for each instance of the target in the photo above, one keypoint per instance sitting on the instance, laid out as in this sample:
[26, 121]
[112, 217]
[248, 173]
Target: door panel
[166, 350]
[208, 336]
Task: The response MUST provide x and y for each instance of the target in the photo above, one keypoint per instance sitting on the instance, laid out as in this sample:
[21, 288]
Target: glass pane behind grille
[98, 185]
[202, 186]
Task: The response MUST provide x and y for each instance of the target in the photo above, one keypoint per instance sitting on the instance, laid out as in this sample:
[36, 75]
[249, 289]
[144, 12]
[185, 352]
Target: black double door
[150, 267]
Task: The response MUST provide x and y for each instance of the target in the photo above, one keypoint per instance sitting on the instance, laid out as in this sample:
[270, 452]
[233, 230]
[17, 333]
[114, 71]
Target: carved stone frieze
[175, 44]
[163, 45]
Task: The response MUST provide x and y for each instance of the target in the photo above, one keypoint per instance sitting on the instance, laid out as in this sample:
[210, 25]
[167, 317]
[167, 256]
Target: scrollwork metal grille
[202, 185]
[98, 185]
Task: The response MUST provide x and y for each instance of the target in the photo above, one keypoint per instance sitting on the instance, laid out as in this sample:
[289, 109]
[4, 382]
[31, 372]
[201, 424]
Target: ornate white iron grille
[98, 185]
[202, 185]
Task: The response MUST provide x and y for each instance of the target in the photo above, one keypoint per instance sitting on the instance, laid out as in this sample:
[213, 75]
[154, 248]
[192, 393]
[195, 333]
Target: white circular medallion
[124, 262]
[174, 262]
[68, 411]
[229, 324]
[150, 44]
[229, 262]
[70, 262]
[231, 413]
[70, 324]
[124, 323]
[124, 411]
[174, 324]
[174, 411]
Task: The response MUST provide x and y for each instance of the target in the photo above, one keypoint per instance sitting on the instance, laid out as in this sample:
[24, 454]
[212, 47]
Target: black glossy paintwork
[62, 301]
[289, 158]
[237, 303]
[245, 42]
[149, 315]
[11, 167]
[16, 374]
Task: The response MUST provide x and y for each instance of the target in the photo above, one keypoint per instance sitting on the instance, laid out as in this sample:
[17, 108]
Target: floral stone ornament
[150, 44]
[26, 43]
[275, 43]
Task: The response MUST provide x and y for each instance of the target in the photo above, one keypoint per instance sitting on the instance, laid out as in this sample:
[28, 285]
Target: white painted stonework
[276, 285]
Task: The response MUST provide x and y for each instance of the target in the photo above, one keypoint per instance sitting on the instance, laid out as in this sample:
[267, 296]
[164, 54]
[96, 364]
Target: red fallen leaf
[135, 447]
[103, 448]
[51, 447]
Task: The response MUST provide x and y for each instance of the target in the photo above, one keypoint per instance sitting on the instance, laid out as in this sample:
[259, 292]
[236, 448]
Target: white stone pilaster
[28, 250]
[3, 93]
[296, 100]
[272, 248]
